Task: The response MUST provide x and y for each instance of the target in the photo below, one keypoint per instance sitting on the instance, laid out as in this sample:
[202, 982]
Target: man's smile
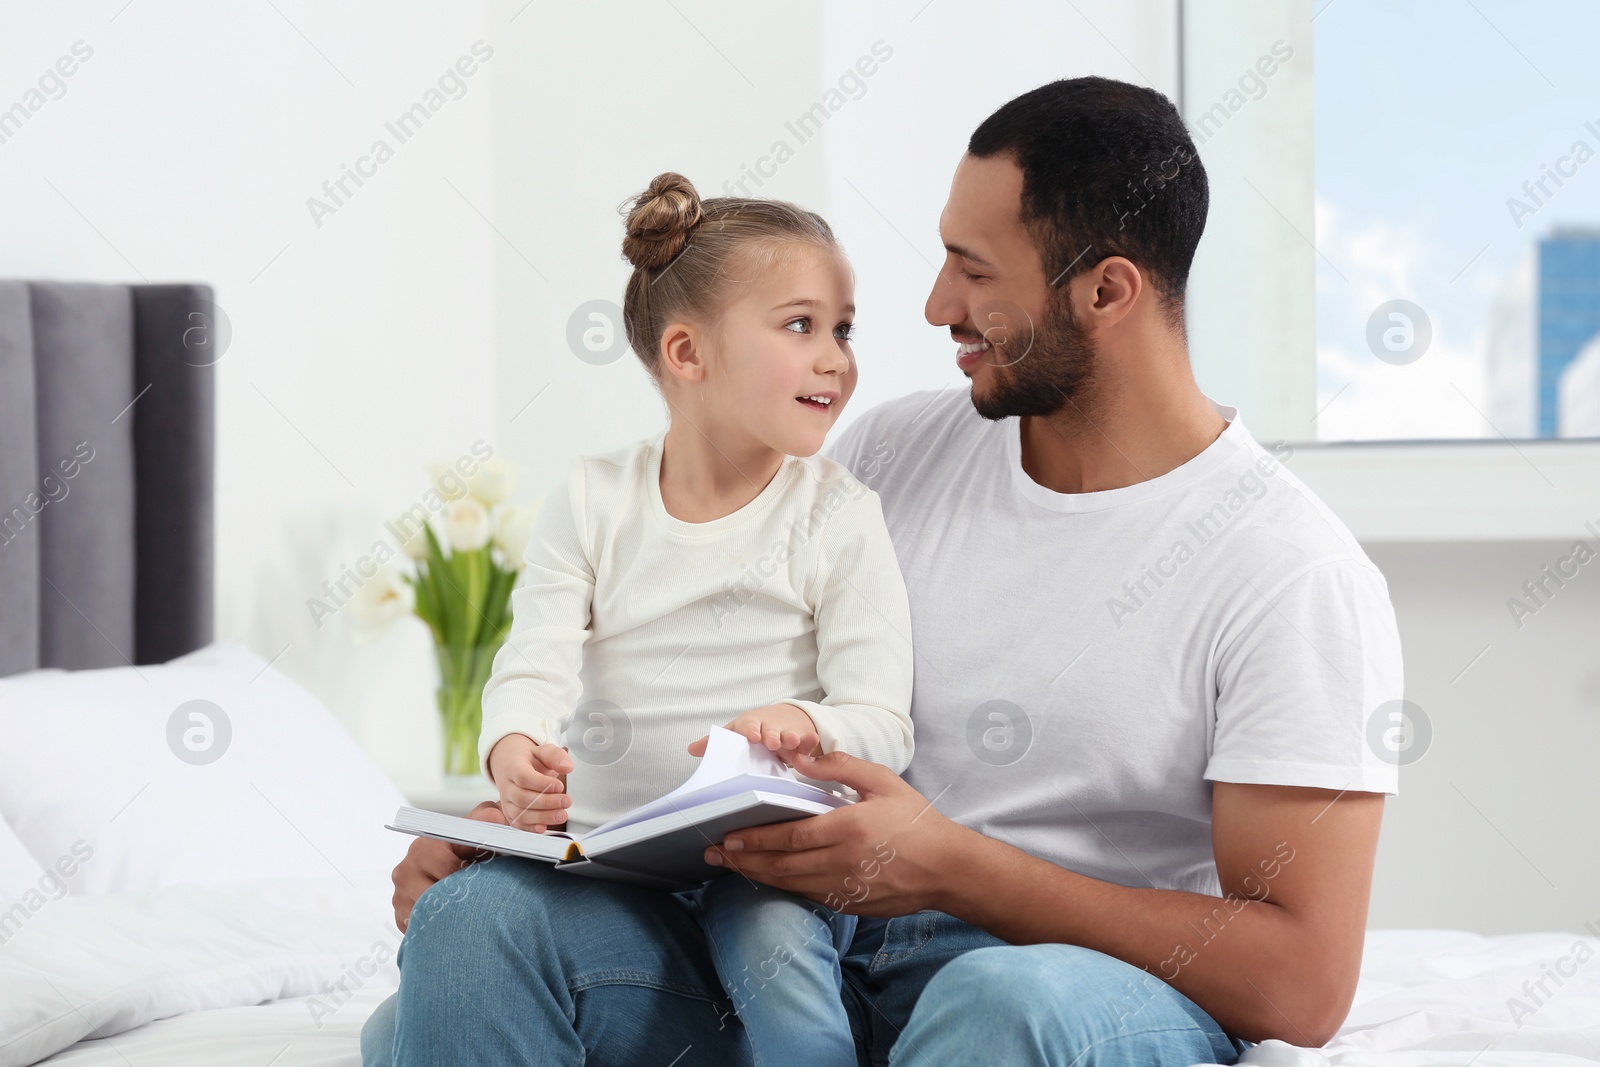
[968, 353]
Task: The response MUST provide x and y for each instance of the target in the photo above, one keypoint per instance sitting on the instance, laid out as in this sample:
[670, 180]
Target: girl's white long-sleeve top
[634, 631]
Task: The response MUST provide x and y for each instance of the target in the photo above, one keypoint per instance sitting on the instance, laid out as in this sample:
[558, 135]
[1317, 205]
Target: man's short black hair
[1108, 169]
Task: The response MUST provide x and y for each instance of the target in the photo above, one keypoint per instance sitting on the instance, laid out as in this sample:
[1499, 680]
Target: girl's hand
[783, 728]
[532, 780]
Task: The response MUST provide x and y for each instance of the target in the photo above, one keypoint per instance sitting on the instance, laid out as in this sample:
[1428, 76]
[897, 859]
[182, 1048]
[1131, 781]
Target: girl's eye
[844, 331]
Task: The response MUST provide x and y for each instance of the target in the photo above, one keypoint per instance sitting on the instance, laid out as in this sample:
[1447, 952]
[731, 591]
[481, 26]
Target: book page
[553, 846]
[729, 755]
[731, 765]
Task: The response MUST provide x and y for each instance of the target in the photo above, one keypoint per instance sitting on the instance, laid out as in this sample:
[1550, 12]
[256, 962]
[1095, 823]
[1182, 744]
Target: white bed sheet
[103, 967]
[1428, 998]
[287, 1033]
[1444, 998]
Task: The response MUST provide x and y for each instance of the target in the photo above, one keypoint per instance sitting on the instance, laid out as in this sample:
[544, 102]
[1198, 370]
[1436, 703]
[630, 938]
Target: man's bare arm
[1277, 956]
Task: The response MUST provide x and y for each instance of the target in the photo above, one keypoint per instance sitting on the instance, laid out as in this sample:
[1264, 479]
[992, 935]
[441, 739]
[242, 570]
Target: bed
[207, 883]
[185, 834]
[1427, 999]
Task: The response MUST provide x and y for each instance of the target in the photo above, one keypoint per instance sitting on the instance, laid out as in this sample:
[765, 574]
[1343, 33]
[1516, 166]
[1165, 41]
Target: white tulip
[515, 529]
[494, 480]
[417, 547]
[466, 523]
[444, 477]
[383, 598]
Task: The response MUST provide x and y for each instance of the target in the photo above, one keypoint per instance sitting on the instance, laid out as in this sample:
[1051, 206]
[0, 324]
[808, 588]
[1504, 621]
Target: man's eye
[802, 321]
[970, 276]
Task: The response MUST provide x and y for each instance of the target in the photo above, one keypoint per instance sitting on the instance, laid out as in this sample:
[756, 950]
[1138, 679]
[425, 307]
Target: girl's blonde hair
[688, 254]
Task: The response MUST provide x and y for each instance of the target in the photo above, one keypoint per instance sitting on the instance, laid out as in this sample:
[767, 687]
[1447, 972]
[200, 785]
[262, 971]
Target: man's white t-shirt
[1087, 664]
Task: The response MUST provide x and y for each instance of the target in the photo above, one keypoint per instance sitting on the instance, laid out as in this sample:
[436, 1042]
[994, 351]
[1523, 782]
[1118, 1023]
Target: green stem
[463, 672]
[470, 619]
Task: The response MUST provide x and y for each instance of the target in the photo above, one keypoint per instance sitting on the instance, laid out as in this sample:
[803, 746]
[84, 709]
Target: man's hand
[783, 728]
[429, 860]
[532, 780]
[888, 854]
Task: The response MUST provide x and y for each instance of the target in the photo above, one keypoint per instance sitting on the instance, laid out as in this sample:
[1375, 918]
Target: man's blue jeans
[511, 962]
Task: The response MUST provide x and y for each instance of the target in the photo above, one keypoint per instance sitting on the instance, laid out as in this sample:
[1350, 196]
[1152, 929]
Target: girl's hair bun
[660, 220]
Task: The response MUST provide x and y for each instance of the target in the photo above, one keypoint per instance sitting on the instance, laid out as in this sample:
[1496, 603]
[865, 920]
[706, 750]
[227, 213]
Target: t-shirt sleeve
[535, 681]
[863, 630]
[1299, 680]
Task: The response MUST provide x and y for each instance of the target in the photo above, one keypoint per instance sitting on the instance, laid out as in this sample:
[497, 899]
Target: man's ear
[1108, 291]
[683, 352]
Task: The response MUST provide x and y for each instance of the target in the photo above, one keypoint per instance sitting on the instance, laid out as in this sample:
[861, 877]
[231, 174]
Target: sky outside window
[1458, 172]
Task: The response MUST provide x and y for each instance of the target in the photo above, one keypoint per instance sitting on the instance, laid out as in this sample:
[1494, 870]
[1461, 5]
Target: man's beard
[1041, 374]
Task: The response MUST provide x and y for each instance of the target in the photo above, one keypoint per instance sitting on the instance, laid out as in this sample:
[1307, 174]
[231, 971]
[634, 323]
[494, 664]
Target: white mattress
[1428, 998]
[1444, 997]
[250, 968]
[282, 1034]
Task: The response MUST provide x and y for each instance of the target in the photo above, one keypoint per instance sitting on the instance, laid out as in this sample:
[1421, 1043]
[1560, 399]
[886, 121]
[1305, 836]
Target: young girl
[718, 573]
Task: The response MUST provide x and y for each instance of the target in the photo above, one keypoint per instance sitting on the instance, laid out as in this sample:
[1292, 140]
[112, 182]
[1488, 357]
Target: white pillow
[20, 875]
[212, 769]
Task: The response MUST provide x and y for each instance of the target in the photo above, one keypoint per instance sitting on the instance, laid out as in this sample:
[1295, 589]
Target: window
[1457, 179]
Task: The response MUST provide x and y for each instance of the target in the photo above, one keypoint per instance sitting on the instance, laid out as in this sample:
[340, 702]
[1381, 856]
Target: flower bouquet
[466, 556]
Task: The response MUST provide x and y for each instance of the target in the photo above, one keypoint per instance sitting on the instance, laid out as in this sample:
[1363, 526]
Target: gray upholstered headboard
[107, 418]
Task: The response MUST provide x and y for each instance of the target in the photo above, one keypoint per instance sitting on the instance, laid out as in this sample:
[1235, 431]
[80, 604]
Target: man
[1141, 819]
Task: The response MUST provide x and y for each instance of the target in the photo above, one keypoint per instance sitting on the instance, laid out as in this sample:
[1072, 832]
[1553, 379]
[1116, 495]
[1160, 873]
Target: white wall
[580, 127]
[1493, 828]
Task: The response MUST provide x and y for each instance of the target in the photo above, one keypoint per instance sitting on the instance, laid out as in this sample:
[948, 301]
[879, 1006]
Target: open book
[660, 844]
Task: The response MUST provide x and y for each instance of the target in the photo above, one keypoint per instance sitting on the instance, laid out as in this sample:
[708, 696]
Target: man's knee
[1040, 985]
[993, 979]
[1065, 997]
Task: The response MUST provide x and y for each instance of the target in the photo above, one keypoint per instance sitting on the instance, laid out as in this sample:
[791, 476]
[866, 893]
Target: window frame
[1262, 358]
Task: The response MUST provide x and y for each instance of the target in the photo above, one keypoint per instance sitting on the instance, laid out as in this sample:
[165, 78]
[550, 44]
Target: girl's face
[783, 340]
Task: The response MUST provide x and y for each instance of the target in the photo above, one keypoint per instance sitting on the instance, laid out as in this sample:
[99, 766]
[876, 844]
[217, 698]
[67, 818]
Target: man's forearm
[1245, 961]
[1278, 956]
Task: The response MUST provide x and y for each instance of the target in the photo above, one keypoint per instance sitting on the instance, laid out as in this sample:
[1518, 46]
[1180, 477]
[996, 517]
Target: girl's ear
[682, 352]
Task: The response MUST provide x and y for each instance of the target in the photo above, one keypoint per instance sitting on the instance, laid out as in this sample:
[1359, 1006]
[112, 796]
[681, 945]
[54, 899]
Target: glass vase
[463, 671]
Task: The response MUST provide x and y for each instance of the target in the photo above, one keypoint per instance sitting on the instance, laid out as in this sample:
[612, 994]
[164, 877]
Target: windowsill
[1457, 490]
